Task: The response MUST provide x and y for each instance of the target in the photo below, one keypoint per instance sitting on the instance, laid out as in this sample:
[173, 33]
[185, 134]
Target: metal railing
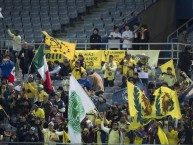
[167, 50]
[175, 33]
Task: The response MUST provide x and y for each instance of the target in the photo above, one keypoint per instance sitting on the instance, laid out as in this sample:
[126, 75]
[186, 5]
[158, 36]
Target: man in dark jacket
[22, 128]
[66, 69]
[31, 136]
[95, 38]
[25, 56]
[185, 60]
[101, 104]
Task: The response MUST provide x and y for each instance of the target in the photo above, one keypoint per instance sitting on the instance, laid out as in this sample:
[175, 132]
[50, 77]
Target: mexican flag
[41, 66]
[79, 104]
[11, 77]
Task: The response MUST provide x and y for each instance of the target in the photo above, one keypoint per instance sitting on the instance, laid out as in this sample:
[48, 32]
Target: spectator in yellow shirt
[77, 70]
[168, 77]
[38, 112]
[30, 88]
[172, 135]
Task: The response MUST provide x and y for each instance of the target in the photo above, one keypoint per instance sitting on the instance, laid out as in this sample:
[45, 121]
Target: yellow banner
[117, 54]
[92, 58]
[60, 47]
[53, 56]
[152, 54]
[164, 67]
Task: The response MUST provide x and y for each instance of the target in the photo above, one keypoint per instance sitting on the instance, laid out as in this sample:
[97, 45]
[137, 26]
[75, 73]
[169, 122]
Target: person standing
[6, 66]
[144, 36]
[185, 62]
[16, 41]
[65, 69]
[182, 38]
[95, 38]
[127, 37]
[25, 56]
[128, 68]
[137, 36]
[109, 69]
[115, 136]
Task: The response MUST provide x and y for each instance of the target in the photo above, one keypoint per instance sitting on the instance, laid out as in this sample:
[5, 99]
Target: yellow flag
[166, 65]
[60, 47]
[1, 107]
[139, 105]
[187, 82]
[66, 137]
[162, 136]
[166, 103]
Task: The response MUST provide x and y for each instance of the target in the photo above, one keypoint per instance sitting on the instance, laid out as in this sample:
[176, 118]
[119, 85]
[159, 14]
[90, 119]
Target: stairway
[87, 18]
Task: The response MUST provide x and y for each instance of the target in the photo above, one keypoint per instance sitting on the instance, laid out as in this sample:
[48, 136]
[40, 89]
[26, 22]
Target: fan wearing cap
[31, 136]
[65, 69]
[168, 77]
[142, 68]
[50, 134]
[77, 70]
[47, 106]
[109, 68]
[37, 111]
[59, 103]
[41, 93]
[30, 88]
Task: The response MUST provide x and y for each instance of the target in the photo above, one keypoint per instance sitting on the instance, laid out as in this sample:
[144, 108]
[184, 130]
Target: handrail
[177, 30]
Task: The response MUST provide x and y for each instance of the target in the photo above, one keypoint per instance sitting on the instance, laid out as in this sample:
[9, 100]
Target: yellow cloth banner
[1, 107]
[138, 102]
[92, 58]
[166, 103]
[139, 106]
[162, 136]
[117, 54]
[60, 47]
[166, 65]
[152, 54]
[53, 56]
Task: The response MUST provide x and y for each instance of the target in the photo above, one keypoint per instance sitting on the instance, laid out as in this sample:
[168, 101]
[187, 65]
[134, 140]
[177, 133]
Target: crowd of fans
[138, 35]
[42, 117]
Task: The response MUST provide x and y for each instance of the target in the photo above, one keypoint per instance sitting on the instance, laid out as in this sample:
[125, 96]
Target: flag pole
[32, 62]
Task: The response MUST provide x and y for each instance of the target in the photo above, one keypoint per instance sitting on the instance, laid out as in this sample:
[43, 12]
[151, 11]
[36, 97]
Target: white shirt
[16, 41]
[126, 42]
[114, 34]
[55, 71]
